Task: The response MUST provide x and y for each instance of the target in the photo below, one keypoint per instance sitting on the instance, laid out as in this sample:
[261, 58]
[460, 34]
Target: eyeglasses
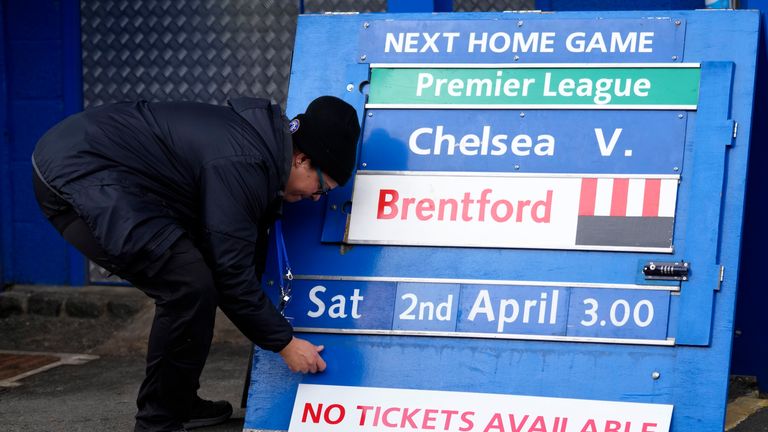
[323, 188]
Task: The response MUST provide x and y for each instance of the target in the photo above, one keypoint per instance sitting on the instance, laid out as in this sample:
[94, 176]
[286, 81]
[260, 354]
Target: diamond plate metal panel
[198, 50]
[201, 50]
[492, 5]
[323, 6]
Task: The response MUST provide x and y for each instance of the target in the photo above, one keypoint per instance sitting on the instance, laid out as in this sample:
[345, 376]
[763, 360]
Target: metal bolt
[675, 169]
[334, 207]
[517, 167]
[674, 58]
[366, 24]
[517, 57]
[363, 57]
[364, 164]
[370, 114]
[519, 23]
[677, 22]
[350, 87]
[680, 116]
[270, 282]
[655, 375]
[522, 114]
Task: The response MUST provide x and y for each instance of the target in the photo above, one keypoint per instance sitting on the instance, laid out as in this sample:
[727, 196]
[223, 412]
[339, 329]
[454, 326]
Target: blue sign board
[522, 41]
[474, 309]
[579, 324]
[534, 141]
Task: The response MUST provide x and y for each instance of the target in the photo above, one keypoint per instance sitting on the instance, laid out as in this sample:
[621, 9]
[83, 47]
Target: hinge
[734, 132]
[720, 279]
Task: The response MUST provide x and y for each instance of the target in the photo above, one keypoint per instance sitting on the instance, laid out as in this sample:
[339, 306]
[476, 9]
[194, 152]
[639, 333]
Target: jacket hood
[267, 117]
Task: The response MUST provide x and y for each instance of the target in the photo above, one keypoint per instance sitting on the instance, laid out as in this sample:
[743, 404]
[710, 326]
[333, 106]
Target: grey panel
[492, 5]
[201, 50]
[625, 231]
[323, 6]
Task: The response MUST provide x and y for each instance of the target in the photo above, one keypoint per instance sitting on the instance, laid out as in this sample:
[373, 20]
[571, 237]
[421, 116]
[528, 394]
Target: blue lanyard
[285, 267]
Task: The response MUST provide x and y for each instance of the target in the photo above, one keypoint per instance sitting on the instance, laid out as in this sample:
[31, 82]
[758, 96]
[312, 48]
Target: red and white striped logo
[628, 197]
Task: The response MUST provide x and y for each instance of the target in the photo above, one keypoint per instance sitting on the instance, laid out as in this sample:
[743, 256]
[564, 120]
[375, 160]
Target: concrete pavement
[100, 394]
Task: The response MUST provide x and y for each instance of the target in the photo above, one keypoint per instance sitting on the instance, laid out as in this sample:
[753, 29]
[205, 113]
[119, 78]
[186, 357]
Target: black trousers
[182, 286]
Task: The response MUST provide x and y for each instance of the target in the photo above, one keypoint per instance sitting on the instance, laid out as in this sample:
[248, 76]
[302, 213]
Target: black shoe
[208, 413]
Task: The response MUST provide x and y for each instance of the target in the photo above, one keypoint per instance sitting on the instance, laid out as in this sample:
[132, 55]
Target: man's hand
[302, 356]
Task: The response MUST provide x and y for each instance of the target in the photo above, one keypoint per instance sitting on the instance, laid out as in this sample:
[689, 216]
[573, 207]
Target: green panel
[633, 87]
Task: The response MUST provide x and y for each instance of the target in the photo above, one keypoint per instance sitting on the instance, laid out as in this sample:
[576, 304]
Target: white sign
[322, 408]
[521, 211]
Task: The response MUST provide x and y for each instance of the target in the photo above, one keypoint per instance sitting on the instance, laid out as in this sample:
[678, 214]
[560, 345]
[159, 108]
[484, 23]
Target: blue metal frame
[712, 134]
[5, 195]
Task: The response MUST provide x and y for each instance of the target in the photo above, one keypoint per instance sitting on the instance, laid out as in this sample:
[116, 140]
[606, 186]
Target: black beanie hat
[327, 133]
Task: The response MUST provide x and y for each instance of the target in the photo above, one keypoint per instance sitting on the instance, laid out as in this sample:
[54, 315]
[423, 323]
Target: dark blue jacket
[141, 174]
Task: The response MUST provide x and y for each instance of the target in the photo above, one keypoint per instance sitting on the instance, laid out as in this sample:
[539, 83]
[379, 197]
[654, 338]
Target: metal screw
[366, 24]
[655, 375]
[364, 164]
[677, 22]
[334, 207]
[680, 116]
[350, 87]
[517, 167]
[517, 57]
[363, 57]
[370, 114]
[522, 114]
[674, 58]
[675, 169]
[519, 23]
[270, 282]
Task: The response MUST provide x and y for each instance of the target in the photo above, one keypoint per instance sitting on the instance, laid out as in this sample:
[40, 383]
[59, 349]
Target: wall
[4, 187]
[41, 40]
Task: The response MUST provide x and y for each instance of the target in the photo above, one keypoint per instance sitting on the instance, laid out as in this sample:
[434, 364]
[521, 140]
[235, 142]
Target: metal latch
[666, 271]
